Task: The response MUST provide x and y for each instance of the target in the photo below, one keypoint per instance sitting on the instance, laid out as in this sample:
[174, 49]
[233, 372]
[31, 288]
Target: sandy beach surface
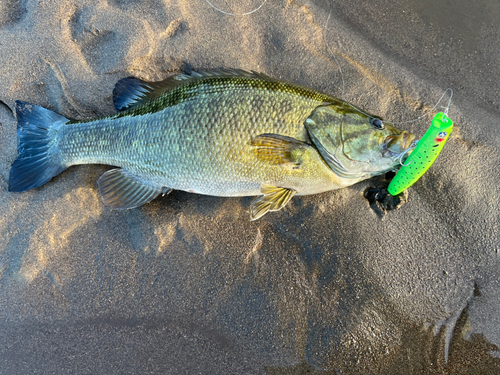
[188, 284]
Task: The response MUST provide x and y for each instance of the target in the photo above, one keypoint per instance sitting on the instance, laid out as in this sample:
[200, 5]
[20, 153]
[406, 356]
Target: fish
[224, 132]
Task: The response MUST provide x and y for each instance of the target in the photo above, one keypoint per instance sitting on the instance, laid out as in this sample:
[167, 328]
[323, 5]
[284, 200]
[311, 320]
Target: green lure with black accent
[424, 155]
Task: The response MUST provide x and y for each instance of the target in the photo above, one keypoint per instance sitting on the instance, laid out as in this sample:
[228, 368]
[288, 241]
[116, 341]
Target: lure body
[424, 155]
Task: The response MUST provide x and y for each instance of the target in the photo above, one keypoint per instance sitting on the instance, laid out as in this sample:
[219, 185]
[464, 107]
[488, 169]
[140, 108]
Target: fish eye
[377, 123]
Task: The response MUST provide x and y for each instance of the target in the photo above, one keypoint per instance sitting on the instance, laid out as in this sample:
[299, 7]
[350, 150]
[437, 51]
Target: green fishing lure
[424, 154]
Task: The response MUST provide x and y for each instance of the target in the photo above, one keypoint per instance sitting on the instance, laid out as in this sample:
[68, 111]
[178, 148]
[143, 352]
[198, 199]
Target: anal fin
[120, 189]
[272, 199]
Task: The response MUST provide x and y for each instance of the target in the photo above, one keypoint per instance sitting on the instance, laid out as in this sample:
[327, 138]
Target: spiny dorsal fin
[272, 199]
[131, 92]
[279, 149]
[120, 189]
[223, 72]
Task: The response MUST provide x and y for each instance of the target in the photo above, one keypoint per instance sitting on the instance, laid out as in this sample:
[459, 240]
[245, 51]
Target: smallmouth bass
[222, 132]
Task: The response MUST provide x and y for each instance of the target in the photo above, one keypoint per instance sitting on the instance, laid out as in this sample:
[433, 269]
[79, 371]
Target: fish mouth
[408, 140]
[397, 145]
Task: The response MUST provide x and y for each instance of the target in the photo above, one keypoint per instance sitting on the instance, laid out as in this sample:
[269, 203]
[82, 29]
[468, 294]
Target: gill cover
[324, 127]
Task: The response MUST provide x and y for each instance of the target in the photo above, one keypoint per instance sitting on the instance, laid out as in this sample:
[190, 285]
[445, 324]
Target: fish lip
[406, 140]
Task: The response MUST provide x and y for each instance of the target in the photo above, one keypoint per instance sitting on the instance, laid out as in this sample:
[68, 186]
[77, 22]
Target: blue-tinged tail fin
[38, 158]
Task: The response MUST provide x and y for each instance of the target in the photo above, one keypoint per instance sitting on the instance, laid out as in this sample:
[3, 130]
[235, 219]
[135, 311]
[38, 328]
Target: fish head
[355, 144]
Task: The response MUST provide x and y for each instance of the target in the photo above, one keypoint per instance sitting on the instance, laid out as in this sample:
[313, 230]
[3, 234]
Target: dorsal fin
[130, 92]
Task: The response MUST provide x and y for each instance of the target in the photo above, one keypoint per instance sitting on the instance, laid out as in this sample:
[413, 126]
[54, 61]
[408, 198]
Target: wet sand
[187, 284]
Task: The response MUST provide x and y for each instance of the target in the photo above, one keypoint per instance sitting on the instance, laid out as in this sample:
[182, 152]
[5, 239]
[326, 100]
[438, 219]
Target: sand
[187, 284]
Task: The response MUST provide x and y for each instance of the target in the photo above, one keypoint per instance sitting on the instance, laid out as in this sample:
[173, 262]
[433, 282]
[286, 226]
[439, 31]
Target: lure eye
[377, 123]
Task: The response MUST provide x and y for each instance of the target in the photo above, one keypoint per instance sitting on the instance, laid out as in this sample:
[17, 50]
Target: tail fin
[38, 158]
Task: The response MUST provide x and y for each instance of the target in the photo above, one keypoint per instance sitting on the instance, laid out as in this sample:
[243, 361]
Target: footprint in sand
[106, 44]
[11, 12]
[121, 36]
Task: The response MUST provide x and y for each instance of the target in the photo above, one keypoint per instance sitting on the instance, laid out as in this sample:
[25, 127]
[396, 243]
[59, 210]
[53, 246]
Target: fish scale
[190, 142]
[223, 133]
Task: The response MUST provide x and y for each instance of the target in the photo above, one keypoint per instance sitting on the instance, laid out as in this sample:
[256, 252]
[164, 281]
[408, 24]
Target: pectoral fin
[279, 149]
[272, 199]
[120, 189]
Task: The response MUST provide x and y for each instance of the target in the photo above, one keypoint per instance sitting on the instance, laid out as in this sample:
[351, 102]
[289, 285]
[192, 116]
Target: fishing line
[332, 54]
[234, 14]
[446, 109]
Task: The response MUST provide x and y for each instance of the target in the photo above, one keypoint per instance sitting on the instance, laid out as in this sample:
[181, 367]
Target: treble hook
[400, 157]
